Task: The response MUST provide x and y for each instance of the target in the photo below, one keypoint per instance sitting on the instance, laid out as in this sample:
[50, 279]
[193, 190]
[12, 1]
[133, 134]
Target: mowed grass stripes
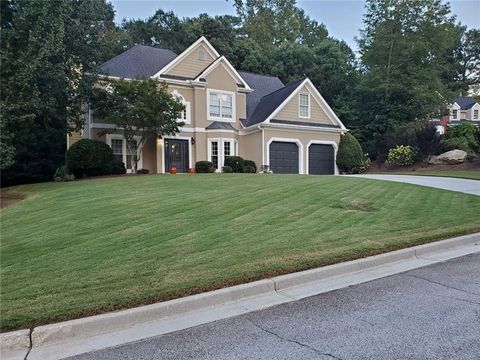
[80, 248]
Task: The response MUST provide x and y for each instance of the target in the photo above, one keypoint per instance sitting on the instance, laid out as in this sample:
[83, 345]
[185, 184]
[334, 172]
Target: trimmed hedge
[89, 158]
[227, 169]
[236, 163]
[251, 163]
[204, 167]
[350, 155]
[118, 168]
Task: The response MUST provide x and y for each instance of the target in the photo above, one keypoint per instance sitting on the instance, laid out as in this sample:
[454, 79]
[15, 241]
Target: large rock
[450, 158]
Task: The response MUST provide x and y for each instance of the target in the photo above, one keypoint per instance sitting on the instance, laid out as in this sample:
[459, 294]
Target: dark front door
[321, 159]
[284, 157]
[176, 154]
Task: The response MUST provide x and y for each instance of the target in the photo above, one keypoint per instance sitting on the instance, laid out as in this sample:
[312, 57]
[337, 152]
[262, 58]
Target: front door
[176, 154]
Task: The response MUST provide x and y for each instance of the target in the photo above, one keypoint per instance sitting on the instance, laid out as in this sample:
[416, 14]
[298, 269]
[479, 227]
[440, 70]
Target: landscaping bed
[80, 248]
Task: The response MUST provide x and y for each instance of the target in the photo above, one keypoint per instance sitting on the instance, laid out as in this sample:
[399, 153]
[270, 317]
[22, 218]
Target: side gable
[320, 112]
[192, 61]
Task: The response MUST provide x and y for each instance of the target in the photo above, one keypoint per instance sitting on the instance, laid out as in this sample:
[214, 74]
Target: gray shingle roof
[262, 85]
[270, 102]
[465, 103]
[220, 125]
[138, 62]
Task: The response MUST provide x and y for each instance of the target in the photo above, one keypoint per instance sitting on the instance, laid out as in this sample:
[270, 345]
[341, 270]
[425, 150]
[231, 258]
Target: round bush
[204, 167]
[249, 170]
[466, 132]
[350, 155]
[118, 168]
[88, 158]
[460, 143]
[402, 155]
[227, 169]
[236, 163]
[251, 163]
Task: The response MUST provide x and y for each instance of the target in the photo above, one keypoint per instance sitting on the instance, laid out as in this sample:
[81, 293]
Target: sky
[343, 18]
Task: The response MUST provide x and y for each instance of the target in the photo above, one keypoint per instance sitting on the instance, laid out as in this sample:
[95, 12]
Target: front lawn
[84, 247]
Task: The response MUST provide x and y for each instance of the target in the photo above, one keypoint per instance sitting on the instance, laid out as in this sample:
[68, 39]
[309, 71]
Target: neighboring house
[227, 112]
[464, 110]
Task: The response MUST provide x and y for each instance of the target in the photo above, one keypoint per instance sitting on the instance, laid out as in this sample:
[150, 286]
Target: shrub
[118, 168]
[204, 167]
[252, 164]
[63, 174]
[460, 143]
[366, 163]
[236, 163]
[249, 169]
[349, 155]
[143, 171]
[227, 169]
[89, 157]
[402, 155]
[466, 132]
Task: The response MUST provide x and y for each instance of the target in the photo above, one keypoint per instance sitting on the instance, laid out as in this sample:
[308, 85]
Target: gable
[221, 78]
[318, 114]
[190, 66]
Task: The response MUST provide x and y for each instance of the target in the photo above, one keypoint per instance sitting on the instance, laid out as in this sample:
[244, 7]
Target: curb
[97, 332]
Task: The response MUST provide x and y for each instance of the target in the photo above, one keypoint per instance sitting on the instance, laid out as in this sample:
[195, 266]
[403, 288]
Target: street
[427, 313]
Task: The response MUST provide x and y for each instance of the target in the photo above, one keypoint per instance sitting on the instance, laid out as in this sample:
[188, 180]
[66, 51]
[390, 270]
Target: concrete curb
[78, 336]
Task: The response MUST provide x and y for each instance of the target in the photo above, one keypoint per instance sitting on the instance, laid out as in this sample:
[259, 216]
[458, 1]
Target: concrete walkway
[454, 184]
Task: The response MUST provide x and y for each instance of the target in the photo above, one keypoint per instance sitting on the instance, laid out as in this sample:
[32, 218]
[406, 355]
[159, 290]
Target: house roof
[219, 125]
[269, 103]
[138, 62]
[465, 103]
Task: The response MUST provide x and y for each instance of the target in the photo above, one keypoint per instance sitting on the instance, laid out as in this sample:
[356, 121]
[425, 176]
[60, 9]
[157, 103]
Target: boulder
[451, 157]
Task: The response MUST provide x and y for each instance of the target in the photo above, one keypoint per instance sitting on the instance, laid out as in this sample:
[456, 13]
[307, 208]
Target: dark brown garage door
[321, 159]
[284, 157]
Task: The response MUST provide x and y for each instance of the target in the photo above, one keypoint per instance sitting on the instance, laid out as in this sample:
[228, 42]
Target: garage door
[321, 159]
[284, 157]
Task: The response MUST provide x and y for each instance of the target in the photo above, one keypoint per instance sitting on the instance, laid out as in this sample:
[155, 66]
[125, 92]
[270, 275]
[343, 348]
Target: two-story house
[290, 127]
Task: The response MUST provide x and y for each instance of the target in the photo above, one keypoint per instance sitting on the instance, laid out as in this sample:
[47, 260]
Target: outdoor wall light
[193, 140]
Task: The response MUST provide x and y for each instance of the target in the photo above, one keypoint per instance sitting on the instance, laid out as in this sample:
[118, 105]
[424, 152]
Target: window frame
[475, 114]
[221, 150]
[231, 119]
[137, 138]
[186, 114]
[454, 114]
[300, 106]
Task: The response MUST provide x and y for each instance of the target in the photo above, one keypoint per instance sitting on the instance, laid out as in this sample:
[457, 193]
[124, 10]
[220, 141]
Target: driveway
[453, 184]
[427, 313]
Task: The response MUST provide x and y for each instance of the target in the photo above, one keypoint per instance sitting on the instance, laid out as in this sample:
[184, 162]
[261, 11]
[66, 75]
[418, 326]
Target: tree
[142, 108]
[48, 50]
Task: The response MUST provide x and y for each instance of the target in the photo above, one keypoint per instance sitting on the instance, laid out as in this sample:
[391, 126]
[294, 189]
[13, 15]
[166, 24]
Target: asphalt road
[467, 186]
[428, 313]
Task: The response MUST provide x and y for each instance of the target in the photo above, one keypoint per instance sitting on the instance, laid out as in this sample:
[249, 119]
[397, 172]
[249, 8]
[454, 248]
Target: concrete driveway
[446, 183]
[427, 313]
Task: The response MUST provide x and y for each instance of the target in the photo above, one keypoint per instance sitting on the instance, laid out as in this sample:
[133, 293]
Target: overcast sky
[343, 18]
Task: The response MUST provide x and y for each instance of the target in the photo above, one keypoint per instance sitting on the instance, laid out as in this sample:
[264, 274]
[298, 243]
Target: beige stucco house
[227, 112]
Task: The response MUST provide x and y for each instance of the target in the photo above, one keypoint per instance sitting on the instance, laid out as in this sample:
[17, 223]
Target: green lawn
[80, 248]
[465, 174]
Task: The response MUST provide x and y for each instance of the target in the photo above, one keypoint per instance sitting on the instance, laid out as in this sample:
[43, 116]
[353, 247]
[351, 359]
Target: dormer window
[475, 114]
[454, 114]
[304, 106]
[200, 55]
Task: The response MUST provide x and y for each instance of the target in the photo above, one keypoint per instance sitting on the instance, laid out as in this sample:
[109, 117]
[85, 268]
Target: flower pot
[173, 170]
[191, 170]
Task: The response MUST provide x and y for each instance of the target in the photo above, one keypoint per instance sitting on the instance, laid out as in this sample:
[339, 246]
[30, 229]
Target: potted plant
[172, 170]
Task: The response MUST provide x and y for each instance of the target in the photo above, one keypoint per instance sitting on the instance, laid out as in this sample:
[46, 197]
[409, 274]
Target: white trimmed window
[219, 150]
[221, 105]
[475, 114]
[183, 116]
[200, 55]
[304, 106]
[120, 152]
[454, 114]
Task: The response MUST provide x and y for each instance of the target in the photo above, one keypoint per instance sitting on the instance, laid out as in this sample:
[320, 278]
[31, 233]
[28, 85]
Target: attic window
[200, 55]
[304, 106]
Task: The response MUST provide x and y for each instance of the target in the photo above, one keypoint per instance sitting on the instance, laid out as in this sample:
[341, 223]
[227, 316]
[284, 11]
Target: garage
[284, 157]
[321, 159]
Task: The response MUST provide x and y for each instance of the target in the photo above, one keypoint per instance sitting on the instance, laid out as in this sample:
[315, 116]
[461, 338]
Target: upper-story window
[304, 106]
[454, 114]
[184, 115]
[200, 55]
[475, 114]
[221, 105]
